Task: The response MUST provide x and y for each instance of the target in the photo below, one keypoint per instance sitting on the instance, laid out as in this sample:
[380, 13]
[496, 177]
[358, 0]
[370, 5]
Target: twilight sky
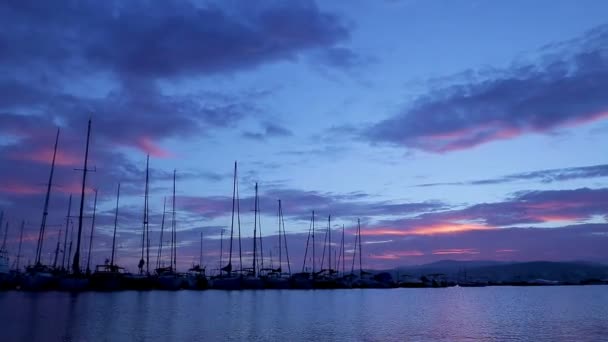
[468, 130]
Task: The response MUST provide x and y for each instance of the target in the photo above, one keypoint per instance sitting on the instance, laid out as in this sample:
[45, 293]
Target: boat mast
[76, 263]
[238, 223]
[57, 249]
[352, 270]
[162, 231]
[329, 240]
[284, 237]
[280, 246]
[306, 250]
[360, 251]
[255, 226]
[174, 230]
[228, 267]
[20, 244]
[71, 242]
[5, 237]
[45, 211]
[313, 242]
[342, 254]
[200, 260]
[142, 262]
[67, 227]
[115, 225]
[91, 237]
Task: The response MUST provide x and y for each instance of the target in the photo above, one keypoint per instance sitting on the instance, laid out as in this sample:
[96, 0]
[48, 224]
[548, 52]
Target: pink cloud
[150, 147]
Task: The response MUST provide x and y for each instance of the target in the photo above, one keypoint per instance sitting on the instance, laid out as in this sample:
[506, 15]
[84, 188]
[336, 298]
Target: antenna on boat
[115, 225]
[65, 238]
[45, 211]
[76, 263]
[91, 237]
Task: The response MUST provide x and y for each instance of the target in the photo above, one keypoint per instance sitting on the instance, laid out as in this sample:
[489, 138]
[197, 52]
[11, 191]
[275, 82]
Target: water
[575, 313]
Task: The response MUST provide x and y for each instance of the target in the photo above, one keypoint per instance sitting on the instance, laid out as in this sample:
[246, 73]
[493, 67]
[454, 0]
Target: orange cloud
[450, 251]
[45, 156]
[432, 229]
[147, 145]
[396, 255]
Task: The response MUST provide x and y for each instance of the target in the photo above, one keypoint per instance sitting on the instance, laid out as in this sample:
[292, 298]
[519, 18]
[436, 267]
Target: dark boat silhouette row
[66, 272]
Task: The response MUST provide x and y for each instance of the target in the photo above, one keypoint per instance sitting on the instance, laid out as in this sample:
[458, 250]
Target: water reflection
[518, 314]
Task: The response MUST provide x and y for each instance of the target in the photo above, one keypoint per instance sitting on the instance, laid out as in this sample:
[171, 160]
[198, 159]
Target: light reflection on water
[455, 314]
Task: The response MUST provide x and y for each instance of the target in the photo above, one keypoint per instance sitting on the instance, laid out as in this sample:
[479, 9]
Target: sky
[464, 130]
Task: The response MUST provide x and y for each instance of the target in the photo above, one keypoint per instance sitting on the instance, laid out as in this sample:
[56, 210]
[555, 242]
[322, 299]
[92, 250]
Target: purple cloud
[558, 92]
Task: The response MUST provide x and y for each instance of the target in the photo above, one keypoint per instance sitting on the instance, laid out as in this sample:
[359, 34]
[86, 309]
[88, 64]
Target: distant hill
[497, 271]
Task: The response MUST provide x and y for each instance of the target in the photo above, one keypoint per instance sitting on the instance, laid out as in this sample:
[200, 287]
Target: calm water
[455, 314]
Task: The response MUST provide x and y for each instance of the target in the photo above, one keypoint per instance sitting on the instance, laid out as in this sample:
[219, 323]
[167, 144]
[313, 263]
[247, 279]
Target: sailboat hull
[39, 281]
[170, 282]
[73, 284]
[253, 283]
[227, 283]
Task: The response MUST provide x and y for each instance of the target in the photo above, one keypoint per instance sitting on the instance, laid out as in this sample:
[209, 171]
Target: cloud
[544, 176]
[171, 39]
[270, 130]
[559, 91]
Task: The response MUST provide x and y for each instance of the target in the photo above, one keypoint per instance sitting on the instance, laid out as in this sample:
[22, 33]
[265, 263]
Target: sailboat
[142, 280]
[251, 279]
[277, 278]
[76, 280]
[196, 279]
[365, 279]
[304, 279]
[40, 276]
[326, 278]
[167, 277]
[109, 276]
[228, 279]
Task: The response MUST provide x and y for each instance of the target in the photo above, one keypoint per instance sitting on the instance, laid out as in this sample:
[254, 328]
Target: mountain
[496, 271]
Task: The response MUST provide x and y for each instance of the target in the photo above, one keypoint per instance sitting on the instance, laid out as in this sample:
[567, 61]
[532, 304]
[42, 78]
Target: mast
[142, 262]
[76, 263]
[71, 242]
[91, 237]
[306, 250]
[45, 211]
[115, 225]
[174, 230]
[57, 249]
[162, 231]
[313, 242]
[352, 270]
[228, 267]
[360, 250]
[5, 237]
[67, 227]
[238, 223]
[284, 237]
[255, 226]
[342, 254]
[20, 243]
[200, 260]
[221, 248]
[280, 247]
[329, 240]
